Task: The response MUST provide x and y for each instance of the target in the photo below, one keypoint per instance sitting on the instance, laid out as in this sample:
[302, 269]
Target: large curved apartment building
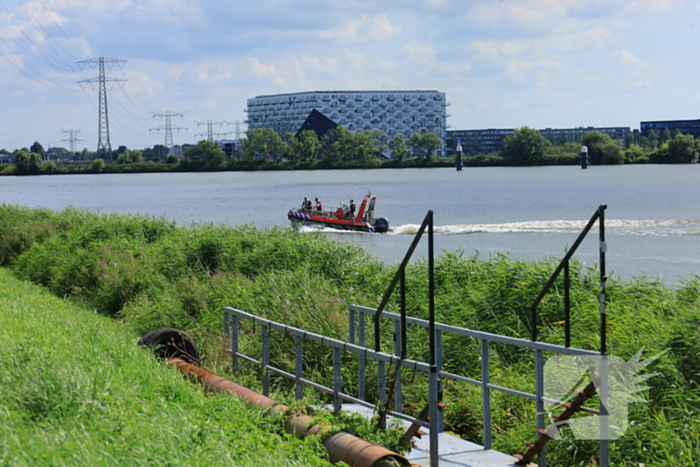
[393, 112]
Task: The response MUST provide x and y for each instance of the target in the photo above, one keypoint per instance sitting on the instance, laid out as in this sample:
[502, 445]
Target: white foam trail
[618, 226]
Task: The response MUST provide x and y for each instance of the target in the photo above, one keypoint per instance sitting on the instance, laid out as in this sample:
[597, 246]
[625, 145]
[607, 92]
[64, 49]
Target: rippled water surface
[652, 220]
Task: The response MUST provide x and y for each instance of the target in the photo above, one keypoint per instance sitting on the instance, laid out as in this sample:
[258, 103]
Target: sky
[502, 64]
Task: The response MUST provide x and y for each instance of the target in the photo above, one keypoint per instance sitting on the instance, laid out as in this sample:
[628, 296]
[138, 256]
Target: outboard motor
[381, 225]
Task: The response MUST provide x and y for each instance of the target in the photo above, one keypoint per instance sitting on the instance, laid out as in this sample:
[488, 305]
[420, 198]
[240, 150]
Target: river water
[652, 220]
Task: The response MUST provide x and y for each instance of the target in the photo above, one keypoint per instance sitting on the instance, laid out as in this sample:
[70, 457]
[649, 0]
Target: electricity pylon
[210, 133]
[168, 128]
[238, 128]
[72, 139]
[101, 82]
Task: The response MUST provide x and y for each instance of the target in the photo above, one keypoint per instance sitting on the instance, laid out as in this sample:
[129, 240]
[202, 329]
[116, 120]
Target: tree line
[263, 149]
[527, 147]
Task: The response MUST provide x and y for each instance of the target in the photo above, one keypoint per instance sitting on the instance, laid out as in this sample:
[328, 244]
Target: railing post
[485, 393]
[438, 364]
[266, 359]
[604, 418]
[337, 381]
[398, 387]
[381, 389]
[567, 307]
[434, 419]
[434, 377]
[351, 326]
[603, 389]
[539, 393]
[299, 360]
[234, 344]
[362, 364]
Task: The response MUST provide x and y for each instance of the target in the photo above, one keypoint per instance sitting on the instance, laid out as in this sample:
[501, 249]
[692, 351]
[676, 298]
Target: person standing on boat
[351, 210]
[319, 205]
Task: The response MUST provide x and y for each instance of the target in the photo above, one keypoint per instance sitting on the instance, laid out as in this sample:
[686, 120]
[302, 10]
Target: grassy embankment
[149, 273]
[75, 390]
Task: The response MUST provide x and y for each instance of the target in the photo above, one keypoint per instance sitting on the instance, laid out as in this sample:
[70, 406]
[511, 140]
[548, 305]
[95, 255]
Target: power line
[38, 25]
[101, 81]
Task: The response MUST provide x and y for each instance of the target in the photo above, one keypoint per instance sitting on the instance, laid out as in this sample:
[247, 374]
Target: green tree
[683, 149]
[525, 146]
[310, 146]
[57, 152]
[355, 146]
[612, 152]
[97, 166]
[424, 145]
[561, 139]
[665, 135]
[37, 148]
[205, 155]
[653, 137]
[28, 163]
[398, 148]
[130, 156]
[595, 141]
[264, 143]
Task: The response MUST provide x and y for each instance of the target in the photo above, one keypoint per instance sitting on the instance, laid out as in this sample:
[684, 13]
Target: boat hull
[309, 219]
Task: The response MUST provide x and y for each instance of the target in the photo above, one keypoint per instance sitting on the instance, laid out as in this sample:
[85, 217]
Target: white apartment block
[393, 112]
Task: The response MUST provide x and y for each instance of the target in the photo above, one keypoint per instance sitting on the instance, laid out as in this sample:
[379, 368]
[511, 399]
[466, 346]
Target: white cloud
[259, 68]
[585, 78]
[652, 6]
[363, 29]
[624, 57]
[418, 52]
[382, 65]
[596, 37]
[521, 72]
[638, 85]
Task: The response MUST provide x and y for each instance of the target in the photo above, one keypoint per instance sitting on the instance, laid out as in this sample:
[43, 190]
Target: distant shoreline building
[396, 113]
[491, 139]
[687, 127]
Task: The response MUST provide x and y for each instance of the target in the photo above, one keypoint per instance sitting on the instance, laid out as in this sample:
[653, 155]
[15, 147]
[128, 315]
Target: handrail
[564, 266]
[400, 274]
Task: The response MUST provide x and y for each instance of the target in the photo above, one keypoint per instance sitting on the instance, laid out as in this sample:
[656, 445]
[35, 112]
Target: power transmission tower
[101, 82]
[210, 133]
[238, 128]
[168, 128]
[72, 139]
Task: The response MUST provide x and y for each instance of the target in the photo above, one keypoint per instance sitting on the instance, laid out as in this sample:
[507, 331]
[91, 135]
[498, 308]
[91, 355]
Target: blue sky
[502, 64]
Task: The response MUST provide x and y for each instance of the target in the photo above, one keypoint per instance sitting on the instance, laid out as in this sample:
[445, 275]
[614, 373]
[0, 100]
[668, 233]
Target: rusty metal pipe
[344, 447]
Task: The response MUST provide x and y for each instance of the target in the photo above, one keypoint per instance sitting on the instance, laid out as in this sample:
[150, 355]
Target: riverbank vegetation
[149, 273]
[264, 150]
[76, 390]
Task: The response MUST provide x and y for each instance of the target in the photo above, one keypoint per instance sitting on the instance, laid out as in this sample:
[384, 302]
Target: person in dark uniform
[306, 204]
[351, 210]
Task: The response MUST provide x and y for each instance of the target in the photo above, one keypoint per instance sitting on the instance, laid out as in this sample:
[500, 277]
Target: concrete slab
[454, 451]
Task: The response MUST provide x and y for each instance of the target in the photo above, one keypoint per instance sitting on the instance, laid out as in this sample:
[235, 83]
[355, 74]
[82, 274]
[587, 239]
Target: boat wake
[659, 228]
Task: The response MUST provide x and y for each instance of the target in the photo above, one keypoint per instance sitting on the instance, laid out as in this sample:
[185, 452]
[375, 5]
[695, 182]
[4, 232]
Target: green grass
[148, 273]
[76, 390]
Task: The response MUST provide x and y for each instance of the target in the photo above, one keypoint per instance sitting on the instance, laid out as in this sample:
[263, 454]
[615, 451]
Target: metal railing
[433, 368]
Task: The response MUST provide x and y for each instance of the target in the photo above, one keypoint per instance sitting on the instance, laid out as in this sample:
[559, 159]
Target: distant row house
[490, 140]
